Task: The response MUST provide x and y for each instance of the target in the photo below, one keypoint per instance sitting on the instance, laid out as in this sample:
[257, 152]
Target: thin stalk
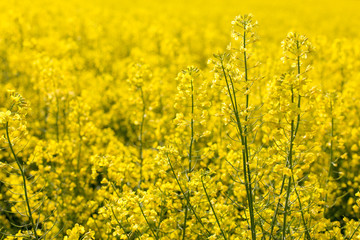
[307, 233]
[24, 181]
[245, 154]
[190, 153]
[331, 153]
[79, 154]
[185, 219]
[160, 216]
[252, 218]
[57, 119]
[186, 197]
[289, 185]
[213, 210]
[277, 209]
[117, 220]
[141, 136]
[65, 119]
[299, 97]
[289, 158]
[147, 222]
[191, 126]
[293, 133]
[352, 235]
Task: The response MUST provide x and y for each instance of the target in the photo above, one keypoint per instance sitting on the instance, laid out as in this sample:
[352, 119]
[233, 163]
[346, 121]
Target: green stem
[286, 208]
[117, 220]
[141, 137]
[192, 126]
[331, 154]
[213, 210]
[185, 219]
[245, 154]
[147, 222]
[190, 153]
[79, 155]
[293, 133]
[352, 235]
[252, 217]
[57, 119]
[307, 233]
[24, 181]
[277, 208]
[289, 160]
[186, 197]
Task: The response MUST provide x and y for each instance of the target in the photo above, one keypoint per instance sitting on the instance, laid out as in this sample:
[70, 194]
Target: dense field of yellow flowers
[184, 120]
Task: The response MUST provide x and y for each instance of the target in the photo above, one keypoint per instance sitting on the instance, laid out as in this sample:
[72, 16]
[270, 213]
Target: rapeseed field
[180, 119]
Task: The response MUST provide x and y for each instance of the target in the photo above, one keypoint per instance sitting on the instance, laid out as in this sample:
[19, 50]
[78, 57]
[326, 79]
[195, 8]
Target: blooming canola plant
[179, 120]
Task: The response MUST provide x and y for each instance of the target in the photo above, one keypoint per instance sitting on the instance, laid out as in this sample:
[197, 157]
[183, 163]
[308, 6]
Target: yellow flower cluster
[144, 125]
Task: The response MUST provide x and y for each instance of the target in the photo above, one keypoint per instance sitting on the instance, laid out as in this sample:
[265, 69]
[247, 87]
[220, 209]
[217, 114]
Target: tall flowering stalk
[296, 49]
[234, 69]
[189, 74]
[137, 75]
[192, 122]
[14, 121]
